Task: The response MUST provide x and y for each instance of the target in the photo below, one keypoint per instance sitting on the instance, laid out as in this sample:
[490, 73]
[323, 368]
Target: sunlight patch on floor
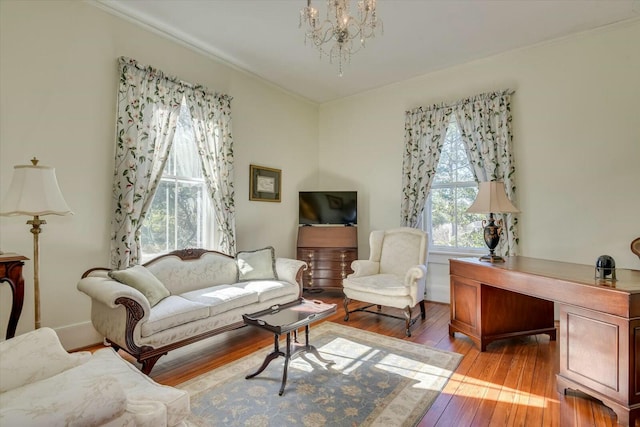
[471, 387]
[349, 356]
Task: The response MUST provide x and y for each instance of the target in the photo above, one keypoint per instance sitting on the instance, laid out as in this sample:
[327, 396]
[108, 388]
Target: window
[450, 227]
[180, 213]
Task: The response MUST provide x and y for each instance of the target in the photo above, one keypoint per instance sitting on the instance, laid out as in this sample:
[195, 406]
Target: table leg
[309, 348]
[273, 355]
[287, 357]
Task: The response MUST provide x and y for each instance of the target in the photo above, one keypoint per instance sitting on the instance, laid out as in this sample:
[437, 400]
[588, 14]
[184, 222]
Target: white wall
[576, 127]
[58, 81]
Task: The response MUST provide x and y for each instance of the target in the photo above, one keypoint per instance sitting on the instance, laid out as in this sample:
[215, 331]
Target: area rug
[375, 381]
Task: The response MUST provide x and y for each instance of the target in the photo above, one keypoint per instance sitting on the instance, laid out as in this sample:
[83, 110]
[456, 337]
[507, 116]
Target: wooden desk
[11, 272]
[599, 321]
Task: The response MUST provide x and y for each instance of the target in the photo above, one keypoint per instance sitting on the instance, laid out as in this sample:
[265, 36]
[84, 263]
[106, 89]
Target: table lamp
[492, 199]
[34, 191]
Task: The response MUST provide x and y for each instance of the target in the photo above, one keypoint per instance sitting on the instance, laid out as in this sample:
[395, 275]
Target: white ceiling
[420, 36]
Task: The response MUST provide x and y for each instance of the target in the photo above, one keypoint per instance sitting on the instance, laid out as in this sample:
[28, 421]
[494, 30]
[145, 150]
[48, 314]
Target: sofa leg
[113, 345]
[148, 364]
[422, 311]
[345, 304]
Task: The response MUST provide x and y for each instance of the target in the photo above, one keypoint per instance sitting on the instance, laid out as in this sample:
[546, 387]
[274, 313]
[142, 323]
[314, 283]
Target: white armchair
[43, 385]
[393, 276]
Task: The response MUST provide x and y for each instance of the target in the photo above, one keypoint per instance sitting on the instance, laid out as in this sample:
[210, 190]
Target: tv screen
[328, 207]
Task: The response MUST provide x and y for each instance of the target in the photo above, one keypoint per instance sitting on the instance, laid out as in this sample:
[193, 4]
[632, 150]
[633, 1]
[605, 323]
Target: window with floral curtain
[484, 125]
[150, 104]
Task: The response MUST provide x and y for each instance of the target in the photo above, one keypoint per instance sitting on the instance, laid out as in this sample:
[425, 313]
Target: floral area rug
[375, 381]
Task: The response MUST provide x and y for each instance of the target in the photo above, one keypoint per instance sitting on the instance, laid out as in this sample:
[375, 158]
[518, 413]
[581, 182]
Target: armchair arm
[290, 270]
[363, 267]
[416, 279]
[21, 358]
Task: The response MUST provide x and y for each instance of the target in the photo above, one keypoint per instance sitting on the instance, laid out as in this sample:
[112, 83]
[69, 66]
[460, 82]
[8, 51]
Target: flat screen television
[328, 207]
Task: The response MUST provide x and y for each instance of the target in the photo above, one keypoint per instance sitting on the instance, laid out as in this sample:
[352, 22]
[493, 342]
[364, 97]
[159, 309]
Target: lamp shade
[34, 191]
[492, 199]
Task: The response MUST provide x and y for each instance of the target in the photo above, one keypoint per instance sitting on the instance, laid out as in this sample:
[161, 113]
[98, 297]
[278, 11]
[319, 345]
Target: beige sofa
[201, 293]
[43, 385]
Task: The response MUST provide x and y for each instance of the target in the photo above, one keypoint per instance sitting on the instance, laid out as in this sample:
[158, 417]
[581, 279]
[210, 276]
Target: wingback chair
[393, 276]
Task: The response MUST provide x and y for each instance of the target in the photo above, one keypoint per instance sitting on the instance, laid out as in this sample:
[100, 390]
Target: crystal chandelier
[340, 28]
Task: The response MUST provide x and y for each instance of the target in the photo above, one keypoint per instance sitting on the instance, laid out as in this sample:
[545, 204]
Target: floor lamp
[492, 199]
[34, 191]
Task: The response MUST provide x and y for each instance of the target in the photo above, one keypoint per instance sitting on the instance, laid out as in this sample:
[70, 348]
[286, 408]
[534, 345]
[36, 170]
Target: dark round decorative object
[605, 265]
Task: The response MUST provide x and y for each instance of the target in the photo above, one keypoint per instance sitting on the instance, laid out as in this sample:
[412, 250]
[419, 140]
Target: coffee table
[285, 319]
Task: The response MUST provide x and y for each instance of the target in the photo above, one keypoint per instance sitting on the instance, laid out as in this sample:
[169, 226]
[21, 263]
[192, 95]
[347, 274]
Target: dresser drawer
[329, 265]
[328, 274]
[322, 283]
[328, 252]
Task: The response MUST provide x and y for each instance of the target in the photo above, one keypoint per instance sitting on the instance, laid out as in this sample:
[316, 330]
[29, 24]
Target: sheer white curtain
[485, 126]
[211, 115]
[424, 133]
[148, 110]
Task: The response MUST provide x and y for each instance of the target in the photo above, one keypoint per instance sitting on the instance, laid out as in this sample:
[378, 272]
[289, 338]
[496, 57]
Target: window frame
[443, 253]
[170, 176]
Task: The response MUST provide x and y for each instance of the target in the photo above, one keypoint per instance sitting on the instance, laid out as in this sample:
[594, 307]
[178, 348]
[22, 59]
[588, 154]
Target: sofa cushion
[270, 289]
[257, 265]
[75, 397]
[222, 298]
[140, 278]
[383, 284]
[173, 311]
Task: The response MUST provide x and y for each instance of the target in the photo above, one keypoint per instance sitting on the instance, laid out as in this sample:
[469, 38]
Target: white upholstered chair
[393, 276]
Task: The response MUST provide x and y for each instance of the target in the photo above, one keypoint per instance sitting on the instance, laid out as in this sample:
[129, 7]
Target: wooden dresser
[328, 252]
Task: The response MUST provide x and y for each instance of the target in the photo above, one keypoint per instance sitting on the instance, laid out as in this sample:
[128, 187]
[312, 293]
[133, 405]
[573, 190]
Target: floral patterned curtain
[211, 115]
[485, 125]
[424, 133]
[148, 110]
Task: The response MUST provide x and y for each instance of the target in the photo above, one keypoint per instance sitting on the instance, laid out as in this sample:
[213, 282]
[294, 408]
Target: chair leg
[345, 304]
[379, 307]
[407, 316]
[422, 312]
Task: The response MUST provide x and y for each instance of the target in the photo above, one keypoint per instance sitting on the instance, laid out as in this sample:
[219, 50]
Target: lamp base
[491, 258]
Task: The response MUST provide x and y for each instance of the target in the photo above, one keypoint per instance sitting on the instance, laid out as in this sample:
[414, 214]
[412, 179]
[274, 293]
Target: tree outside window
[180, 213]
[450, 227]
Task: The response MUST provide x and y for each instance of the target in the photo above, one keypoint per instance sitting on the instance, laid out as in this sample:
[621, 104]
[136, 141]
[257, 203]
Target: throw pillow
[140, 278]
[257, 265]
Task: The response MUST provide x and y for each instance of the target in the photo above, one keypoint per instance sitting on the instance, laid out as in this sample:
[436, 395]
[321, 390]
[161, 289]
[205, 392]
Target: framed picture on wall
[264, 184]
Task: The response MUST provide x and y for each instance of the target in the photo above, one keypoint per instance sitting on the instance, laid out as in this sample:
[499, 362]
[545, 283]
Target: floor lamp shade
[34, 191]
[492, 199]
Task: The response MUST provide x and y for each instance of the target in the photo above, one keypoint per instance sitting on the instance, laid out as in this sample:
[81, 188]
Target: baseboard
[78, 336]
[438, 293]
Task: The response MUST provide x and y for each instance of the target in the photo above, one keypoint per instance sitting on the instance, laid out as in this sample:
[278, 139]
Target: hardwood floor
[511, 384]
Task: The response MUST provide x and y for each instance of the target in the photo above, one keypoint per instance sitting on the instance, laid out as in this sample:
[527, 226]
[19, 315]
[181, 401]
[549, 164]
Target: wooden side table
[11, 272]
